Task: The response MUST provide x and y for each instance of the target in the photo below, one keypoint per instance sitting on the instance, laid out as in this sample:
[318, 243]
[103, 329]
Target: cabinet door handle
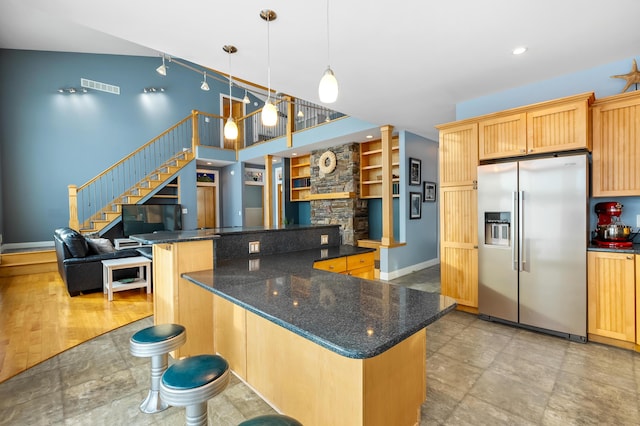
[629, 257]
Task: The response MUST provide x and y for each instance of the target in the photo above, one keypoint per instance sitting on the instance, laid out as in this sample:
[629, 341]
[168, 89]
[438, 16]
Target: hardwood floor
[38, 319]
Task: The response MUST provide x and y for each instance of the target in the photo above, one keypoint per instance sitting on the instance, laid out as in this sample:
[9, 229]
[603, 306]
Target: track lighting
[73, 91]
[269, 113]
[230, 127]
[204, 86]
[162, 69]
[153, 89]
[328, 87]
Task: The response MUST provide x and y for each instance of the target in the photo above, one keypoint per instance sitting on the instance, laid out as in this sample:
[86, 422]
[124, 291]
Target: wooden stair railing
[96, 204]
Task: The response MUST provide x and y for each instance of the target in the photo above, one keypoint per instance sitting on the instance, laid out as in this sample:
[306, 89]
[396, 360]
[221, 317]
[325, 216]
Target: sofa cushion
[100, 245]
[75, 242]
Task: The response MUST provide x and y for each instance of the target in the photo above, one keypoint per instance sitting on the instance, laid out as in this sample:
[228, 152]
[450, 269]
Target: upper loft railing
[103, 194]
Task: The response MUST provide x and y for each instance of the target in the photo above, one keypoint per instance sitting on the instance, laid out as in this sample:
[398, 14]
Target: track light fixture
[73, 90]
[230, 127]
[328, 87]
[204, 86]
[162, 69]
[269, 113]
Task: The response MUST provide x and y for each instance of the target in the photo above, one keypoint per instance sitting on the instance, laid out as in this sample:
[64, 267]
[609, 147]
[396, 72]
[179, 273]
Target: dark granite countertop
[261, 229]
[175, 236]
[353, 317]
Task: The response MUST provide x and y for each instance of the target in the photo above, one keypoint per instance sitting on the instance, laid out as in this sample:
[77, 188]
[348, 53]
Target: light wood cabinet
[637, 302]
[553, 126]
[458, 154]
[176, 300]
[458, 213]
[358, 265]
[371, 168]
[459, 245]
[300, 177]
[611, 296]
[616, 145]
[502, 136]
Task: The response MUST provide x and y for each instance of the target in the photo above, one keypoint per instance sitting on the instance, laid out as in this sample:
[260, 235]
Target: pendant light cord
[230, 79]
[268, 59]
[328, 43]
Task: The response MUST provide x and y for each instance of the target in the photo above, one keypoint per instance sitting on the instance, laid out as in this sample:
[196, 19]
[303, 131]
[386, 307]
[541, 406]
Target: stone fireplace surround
[352, 214]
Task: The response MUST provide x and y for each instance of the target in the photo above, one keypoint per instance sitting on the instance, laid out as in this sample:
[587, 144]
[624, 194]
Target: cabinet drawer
[359, 260]
[332, 265]
[365, 272]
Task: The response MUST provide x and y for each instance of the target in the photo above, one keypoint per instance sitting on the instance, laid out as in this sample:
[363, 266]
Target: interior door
[206, 206]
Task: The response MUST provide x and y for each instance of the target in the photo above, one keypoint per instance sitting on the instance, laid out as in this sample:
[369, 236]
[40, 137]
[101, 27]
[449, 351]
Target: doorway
[207, 200]
[237, 112]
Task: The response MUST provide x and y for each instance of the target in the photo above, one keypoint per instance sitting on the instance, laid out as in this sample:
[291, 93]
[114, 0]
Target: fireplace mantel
[332, 196]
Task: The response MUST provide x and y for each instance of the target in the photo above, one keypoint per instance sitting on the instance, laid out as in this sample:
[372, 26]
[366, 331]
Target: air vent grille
[103, 87]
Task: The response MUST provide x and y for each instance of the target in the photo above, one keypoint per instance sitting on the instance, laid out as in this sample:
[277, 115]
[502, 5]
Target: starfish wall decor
[632, 77]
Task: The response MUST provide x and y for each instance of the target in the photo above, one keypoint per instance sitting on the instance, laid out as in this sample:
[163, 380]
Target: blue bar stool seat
[191, 382]
[156, 342]
[271, 420]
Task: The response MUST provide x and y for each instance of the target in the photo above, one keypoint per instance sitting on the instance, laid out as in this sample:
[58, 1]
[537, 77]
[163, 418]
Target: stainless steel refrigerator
[532, 245]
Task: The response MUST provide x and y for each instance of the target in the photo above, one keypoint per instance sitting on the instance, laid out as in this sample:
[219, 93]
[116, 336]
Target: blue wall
[420, 235]
[50, 140]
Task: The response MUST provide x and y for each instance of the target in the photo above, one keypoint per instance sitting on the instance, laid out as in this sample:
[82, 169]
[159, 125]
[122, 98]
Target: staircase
[140, 192]
[28, 262]
[97, 205]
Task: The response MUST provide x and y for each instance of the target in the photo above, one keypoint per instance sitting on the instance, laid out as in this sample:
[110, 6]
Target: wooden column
[267, 193]
[73, 207]
[195, 138]
[387, 186]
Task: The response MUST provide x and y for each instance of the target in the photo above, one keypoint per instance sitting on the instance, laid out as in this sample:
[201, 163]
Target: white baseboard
[387, 276]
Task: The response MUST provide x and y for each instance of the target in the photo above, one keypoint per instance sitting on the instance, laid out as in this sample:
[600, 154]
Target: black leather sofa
[80, 263]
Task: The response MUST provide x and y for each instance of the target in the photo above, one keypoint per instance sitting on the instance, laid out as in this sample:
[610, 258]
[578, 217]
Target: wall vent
[103, 87]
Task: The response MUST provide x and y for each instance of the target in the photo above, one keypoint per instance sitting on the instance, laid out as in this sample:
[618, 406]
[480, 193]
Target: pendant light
[328, 87]
[269, 114]
[204, 86]
[230, 127]
[246, 99]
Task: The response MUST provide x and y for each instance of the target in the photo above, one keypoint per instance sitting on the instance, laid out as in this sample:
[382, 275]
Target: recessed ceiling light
[294, 153]
[369, 136]
[519, 50]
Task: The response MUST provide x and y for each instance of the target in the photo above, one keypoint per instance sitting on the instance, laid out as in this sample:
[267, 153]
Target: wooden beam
[291, 124]
[387, 186]
[267, 204]
[332, 196]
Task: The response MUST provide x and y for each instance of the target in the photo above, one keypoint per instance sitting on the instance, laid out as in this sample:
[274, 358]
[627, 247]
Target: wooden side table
[144, 279]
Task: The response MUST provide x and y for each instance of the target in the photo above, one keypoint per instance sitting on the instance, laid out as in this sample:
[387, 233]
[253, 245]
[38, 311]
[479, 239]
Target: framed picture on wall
[415, 171]
[429, 191]
[415, 205]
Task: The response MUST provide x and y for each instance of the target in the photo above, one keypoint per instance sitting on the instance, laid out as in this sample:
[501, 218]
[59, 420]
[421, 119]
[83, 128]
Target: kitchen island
[325, 348]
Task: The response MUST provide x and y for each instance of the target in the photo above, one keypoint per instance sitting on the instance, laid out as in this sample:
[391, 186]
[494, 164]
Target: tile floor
[478, 373]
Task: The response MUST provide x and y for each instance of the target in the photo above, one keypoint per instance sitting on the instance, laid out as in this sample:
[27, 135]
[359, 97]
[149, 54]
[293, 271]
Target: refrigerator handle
[514, 231]
[523, 246]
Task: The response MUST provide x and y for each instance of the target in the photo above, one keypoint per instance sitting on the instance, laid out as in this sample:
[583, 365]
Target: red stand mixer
[610, 232]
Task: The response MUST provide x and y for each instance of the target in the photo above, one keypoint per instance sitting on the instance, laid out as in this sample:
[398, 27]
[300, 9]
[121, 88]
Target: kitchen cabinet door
[638, 302]
[611, 295]
[616, 145]
[459, 245]
[502, 137]
[562, 127]
[458, 154]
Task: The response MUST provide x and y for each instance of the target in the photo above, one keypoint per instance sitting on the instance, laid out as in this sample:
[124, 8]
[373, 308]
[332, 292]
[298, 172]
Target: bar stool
[156, 342]
[191, 382]
[271, 420]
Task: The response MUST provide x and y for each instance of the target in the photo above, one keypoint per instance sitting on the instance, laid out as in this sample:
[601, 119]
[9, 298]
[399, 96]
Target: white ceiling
[402, 62]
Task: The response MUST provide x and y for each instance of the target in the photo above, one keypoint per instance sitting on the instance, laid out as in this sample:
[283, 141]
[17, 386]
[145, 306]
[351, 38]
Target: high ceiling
[403, 62]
